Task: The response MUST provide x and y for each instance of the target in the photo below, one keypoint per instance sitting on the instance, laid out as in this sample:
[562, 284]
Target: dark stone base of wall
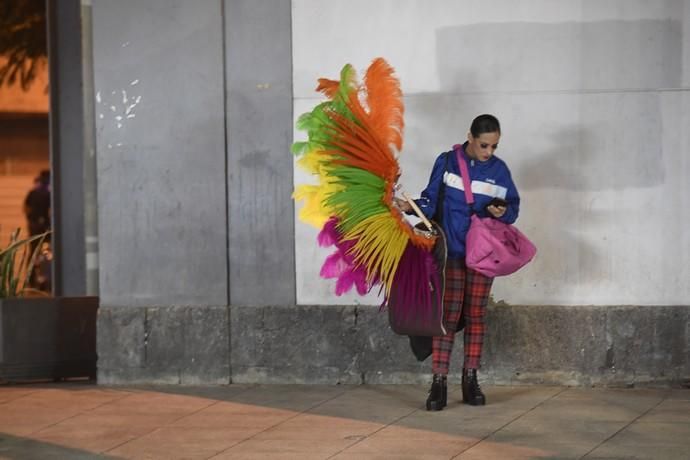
[353, 344]
[176, 345]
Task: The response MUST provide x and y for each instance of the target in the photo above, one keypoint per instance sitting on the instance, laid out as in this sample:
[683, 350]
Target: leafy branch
[23, 40]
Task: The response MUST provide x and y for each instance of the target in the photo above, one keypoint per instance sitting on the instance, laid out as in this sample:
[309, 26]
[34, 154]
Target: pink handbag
[492, 248]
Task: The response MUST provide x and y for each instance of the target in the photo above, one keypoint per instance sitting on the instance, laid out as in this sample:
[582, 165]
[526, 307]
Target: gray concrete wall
[198, 274]
[618, 346]
[162, 214]
[258, 66]
[594, 100]
[161, 152]
[175, 87]
[194, 125]
[621, 346]
[172, 345]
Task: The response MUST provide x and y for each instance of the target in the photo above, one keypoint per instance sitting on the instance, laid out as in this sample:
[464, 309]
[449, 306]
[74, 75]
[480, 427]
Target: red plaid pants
[469, 291]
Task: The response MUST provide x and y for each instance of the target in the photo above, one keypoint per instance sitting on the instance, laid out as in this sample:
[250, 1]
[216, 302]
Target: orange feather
[328, 87]
[384, 99]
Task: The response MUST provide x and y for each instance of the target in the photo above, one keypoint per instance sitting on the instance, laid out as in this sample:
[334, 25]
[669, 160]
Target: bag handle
[438, 215]
[469, 197]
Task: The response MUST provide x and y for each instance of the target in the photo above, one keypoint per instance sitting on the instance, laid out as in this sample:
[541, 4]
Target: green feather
[359, 198]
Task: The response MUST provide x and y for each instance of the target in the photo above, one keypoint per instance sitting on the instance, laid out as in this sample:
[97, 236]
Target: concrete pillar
[258, 66]
[160, 125]
[89, 156]
[67, 146]
[162, 201]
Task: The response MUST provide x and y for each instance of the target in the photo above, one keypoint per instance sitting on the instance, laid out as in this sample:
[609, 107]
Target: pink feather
[334, 266]
[341, 264]
[329, 235]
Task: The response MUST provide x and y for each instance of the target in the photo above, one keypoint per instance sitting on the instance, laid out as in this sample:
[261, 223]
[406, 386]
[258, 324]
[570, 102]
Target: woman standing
[466, 291]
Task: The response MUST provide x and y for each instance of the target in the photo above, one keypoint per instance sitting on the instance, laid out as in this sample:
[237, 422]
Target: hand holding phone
[497, 207]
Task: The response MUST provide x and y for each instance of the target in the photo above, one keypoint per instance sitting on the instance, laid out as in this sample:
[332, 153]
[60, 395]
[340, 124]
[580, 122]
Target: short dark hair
[44, 177]
[485, 124]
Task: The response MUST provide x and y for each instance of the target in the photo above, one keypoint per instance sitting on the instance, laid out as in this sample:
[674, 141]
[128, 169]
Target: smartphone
[500, 202]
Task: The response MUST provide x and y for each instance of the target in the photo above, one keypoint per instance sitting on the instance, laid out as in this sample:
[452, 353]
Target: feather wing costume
[352, 142]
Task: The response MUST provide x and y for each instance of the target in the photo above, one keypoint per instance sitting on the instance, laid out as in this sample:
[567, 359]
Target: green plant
[17, 262]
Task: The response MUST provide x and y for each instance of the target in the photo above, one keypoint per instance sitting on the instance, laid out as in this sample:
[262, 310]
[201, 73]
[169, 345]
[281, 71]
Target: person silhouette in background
[37, 211]
[37, 205]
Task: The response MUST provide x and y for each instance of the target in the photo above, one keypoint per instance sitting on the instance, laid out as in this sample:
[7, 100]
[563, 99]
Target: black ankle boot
[471, 393]
[438, 394]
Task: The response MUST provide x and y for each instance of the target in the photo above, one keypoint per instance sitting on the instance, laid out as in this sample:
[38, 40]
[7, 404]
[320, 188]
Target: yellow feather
[313, 212]
[379, 246]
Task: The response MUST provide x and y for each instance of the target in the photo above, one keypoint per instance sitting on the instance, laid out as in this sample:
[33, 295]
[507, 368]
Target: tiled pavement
[83, 421]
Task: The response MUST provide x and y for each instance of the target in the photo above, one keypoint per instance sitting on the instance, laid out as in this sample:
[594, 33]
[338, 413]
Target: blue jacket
[490, 179]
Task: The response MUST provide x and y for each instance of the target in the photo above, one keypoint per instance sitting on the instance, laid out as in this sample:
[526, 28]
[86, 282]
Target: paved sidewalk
[82, 421]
